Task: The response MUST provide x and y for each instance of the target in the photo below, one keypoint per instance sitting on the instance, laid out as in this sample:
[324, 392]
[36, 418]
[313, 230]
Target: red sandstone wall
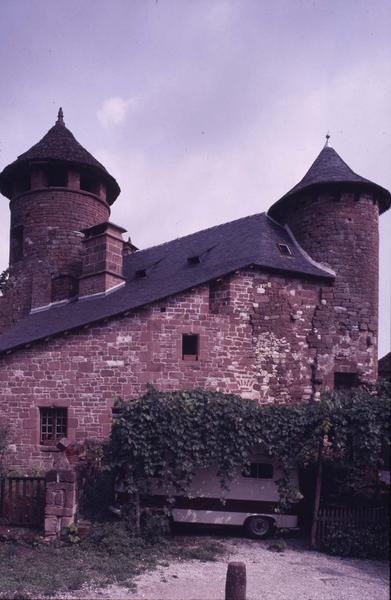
[52, 219]
[341, 231]
[254, 330]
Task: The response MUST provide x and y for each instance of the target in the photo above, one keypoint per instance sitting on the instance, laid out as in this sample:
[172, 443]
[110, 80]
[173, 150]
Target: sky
[203, 110]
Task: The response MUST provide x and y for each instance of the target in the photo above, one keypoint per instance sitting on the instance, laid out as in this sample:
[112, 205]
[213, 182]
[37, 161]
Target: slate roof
[329, 168]
[385, 366]
[59, 144]
[221, 250]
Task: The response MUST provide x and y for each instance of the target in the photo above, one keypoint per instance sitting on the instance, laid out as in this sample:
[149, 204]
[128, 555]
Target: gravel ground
[295, 574]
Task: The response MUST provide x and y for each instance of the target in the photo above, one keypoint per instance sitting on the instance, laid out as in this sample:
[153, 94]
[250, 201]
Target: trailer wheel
[258, 527]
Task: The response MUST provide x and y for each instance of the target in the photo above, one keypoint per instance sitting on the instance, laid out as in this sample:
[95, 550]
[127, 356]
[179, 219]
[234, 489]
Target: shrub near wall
[166, 436]
[371, 542]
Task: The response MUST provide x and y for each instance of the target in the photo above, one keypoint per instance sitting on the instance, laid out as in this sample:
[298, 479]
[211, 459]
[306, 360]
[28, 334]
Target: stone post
[61, 501]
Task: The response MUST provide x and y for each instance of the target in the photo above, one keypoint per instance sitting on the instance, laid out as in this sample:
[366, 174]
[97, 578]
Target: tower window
[89, 183]
[57, 176]
[141, 273]
[64, 287]
[22, 184]
[284, 250]
[53, 425]
[16, 245]
[190, 347]
[345, 381]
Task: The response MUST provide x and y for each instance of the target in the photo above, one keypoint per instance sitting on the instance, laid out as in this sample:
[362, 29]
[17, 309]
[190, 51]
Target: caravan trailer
[252, 500]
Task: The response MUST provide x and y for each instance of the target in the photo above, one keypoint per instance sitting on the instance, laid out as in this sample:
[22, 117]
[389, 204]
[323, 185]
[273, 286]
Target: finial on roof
[60, 117]
[327, 139]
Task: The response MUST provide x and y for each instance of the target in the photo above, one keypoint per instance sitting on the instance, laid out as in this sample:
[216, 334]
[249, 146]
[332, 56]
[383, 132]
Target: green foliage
[107, 556]
[359, 543]
[165, 436]
[70, 534]
[4, 281]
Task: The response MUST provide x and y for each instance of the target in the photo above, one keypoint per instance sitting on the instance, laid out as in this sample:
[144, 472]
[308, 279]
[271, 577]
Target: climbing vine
[166, 436]
[4, 281]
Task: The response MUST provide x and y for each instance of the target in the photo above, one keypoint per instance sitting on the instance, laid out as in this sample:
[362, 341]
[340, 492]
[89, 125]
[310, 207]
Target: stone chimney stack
[102, 268]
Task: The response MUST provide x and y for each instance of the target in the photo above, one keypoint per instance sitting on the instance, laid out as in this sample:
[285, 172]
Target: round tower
[333, 214]
[56, 189]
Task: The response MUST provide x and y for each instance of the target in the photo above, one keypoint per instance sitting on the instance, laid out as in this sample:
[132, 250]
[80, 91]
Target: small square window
[345, 381]
[53, 425]
[140, 273]
[284, 250]
[259, 471]
[190, 347]
[193, 260]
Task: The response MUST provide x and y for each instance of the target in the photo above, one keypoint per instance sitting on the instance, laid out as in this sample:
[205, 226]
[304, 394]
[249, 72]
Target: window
[53, 425]
[89, 183]
[141, 273]
[64, 287]
[16, 248]
[284, 250]
[193, 260]
[190, 347]
[259, 471]
[57, 176]
[345, 381]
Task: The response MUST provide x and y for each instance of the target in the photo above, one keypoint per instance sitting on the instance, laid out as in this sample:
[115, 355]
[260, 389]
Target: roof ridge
[188, 235]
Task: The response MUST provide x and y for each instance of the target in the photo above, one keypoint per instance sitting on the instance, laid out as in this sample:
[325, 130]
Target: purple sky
[204, 110]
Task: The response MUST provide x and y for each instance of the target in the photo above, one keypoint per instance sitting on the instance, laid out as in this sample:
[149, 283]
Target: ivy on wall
[4, 281]
[166, 436]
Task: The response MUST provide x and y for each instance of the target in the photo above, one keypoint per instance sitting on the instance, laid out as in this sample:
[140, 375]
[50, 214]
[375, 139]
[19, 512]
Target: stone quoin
[275, 307]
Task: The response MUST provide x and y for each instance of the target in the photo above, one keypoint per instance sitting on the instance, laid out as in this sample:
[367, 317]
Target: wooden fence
[346, 517]
[22, 501]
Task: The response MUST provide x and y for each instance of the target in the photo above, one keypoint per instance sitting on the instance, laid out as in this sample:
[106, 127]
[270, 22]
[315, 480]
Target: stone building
[276, 306]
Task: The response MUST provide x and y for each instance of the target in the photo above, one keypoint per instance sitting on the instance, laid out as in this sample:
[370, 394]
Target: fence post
[235, 585]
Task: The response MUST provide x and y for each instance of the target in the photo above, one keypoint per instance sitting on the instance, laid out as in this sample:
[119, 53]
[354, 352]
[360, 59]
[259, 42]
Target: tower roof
[59, 144]
[329, 168]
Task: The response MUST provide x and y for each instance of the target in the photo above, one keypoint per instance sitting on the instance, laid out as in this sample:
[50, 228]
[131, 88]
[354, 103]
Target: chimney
[103, 259]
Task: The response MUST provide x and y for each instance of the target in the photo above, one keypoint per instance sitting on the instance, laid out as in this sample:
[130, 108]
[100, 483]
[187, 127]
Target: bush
[358, 543]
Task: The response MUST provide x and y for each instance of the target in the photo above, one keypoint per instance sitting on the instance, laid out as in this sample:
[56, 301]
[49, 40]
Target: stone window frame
[61, 430]
[202, 343]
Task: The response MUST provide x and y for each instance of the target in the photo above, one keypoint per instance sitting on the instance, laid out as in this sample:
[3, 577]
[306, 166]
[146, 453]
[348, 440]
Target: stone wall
[61, 501]
[255, 339]
[340, 230]
[52, 244]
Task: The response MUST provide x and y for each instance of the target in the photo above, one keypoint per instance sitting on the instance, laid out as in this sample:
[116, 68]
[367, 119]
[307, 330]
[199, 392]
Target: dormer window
[284, 250]
[140, 273]
[193, 260]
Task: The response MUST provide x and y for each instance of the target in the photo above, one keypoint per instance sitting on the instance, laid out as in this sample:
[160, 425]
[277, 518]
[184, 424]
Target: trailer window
[259, 471]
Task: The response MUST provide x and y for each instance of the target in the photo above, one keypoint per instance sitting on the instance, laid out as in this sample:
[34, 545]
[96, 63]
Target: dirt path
[295, 574]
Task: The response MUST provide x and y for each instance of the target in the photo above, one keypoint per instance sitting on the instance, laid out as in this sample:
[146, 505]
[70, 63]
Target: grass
[109, 555]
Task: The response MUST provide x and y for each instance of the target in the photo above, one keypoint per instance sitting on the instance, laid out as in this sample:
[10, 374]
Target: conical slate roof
[59, 144]
[329, 168]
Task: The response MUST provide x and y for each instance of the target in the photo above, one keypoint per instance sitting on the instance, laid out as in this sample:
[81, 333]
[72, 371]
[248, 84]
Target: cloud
[113, 110]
